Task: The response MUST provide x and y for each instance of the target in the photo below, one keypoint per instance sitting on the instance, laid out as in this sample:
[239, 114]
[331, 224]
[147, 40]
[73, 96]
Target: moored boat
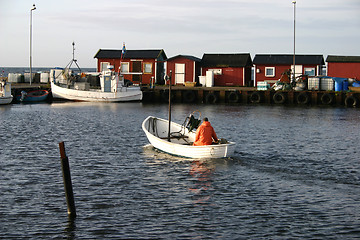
[38, 95]
[181, 139]
[5, 93]
[112, 89]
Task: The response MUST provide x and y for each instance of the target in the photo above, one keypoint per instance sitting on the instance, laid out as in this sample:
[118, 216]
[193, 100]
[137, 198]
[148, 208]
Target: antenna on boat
[73, 60]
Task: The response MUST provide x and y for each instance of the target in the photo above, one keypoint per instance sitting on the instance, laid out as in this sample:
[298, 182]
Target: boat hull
[157, 136]
[6, 100]
[127, 94]
[34, 96]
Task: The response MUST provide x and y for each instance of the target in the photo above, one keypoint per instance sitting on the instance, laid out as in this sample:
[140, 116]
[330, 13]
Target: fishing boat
[180, 140]
[5, 93]
[38, 95]
[65, 84]
[112, 87]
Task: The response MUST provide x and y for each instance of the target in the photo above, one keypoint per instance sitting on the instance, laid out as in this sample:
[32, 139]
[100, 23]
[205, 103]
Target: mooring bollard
[67, 181]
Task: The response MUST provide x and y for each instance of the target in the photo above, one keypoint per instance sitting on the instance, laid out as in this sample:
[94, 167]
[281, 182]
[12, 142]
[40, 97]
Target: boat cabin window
[269, 72]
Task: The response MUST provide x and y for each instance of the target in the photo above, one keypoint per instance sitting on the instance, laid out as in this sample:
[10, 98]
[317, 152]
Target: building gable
[195, 59]
[226, 60]
[343, 59]
[287, 59]
[133, 54]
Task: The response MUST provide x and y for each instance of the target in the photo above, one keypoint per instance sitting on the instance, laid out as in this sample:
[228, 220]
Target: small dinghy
[179, 141]
[33, 96]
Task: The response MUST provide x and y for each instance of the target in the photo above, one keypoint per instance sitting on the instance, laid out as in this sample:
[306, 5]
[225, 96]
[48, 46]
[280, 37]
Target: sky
[187, 27]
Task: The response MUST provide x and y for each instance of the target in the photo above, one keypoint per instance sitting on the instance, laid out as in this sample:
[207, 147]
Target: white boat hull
[6, 100]
[157, 135]
[124, 94]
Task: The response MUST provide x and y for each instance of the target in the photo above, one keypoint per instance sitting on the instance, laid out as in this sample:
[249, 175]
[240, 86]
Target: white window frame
[123, 68]
[312, 70]
[104, 66]
[273, 71]
[146, 66]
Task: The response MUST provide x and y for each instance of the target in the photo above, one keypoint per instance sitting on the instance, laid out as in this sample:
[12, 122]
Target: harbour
[229, 95]
[294, 174]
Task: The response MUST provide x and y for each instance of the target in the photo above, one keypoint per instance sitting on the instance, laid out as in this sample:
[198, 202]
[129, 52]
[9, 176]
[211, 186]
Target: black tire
[351, 101]
[327, 99]
[279, 98]
[211, 98]
[189, 96]
[233, 97]
[303, 98]
[255, 97]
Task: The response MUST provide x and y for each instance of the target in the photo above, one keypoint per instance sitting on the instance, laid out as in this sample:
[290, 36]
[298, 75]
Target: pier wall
[242, 95]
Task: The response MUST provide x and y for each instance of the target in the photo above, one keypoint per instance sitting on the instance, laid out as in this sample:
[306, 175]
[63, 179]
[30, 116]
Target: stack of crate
[263, 86]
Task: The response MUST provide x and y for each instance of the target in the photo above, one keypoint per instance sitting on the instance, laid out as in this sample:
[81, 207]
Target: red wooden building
[343, 66]
[270, 67]
[184, 68]
[229, 69]
[138, 66]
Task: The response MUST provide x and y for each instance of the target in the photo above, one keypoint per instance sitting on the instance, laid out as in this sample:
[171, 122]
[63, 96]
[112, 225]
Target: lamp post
[294, 3]
[33, 8]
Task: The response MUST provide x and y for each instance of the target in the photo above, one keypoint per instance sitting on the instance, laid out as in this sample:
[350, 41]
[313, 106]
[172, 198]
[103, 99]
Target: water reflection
[70, 229]
[202, 172]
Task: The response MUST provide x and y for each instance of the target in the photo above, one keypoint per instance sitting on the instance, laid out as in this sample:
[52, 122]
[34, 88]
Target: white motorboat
[180, 140]
[112, 88]
[5, 93]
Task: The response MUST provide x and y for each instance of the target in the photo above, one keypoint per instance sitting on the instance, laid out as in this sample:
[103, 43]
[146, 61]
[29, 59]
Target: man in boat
[205, 134]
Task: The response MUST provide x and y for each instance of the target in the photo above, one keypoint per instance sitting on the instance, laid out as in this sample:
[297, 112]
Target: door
[298, 70]
[179, 73]
[136, 68]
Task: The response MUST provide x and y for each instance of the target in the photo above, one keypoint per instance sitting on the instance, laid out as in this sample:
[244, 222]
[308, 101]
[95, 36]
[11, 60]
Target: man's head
[206, 119]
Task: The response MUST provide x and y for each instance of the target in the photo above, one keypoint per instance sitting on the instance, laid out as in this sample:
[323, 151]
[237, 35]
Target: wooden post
[169, 105]
[67, 181]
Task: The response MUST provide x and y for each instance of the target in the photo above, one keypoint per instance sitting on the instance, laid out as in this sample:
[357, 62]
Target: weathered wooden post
[67, 181]
[169, 79]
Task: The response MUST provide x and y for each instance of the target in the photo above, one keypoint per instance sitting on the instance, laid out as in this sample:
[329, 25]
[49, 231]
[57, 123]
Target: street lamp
[294, 3]
[33, 8]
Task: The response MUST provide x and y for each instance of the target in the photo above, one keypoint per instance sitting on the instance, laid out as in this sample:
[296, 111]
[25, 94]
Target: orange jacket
[205, 135]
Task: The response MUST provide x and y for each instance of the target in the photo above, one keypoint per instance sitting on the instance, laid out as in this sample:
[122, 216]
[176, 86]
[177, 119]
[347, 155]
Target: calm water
[295, 174]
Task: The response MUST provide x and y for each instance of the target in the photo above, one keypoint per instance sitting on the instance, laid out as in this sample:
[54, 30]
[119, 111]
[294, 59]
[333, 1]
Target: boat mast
[73, 60]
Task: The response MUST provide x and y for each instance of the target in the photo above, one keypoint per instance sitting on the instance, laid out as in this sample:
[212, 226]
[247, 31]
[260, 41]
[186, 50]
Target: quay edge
[250, 95]
[231, 95]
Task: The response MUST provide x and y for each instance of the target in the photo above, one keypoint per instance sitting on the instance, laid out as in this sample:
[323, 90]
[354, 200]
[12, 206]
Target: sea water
[295, 174]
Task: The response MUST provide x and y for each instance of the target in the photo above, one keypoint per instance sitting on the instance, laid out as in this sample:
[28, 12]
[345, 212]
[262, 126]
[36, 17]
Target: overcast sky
[191, 27]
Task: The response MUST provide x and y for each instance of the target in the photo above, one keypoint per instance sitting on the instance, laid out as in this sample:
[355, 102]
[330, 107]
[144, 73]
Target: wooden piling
[67, 182]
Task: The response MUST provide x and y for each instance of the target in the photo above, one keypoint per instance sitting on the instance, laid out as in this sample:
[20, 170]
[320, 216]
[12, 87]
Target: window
[309, 71]
[125, 67]
[104, 66]
[147, 68]
[269, 72]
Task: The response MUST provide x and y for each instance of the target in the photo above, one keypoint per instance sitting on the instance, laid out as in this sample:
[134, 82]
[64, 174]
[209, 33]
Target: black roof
[332, 58]
[226, 60]
[195, 59]
[287, 59]
[135, 54]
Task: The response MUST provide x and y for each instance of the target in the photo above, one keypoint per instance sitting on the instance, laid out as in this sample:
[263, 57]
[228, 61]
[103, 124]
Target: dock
[231, 95]
[249, 95]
